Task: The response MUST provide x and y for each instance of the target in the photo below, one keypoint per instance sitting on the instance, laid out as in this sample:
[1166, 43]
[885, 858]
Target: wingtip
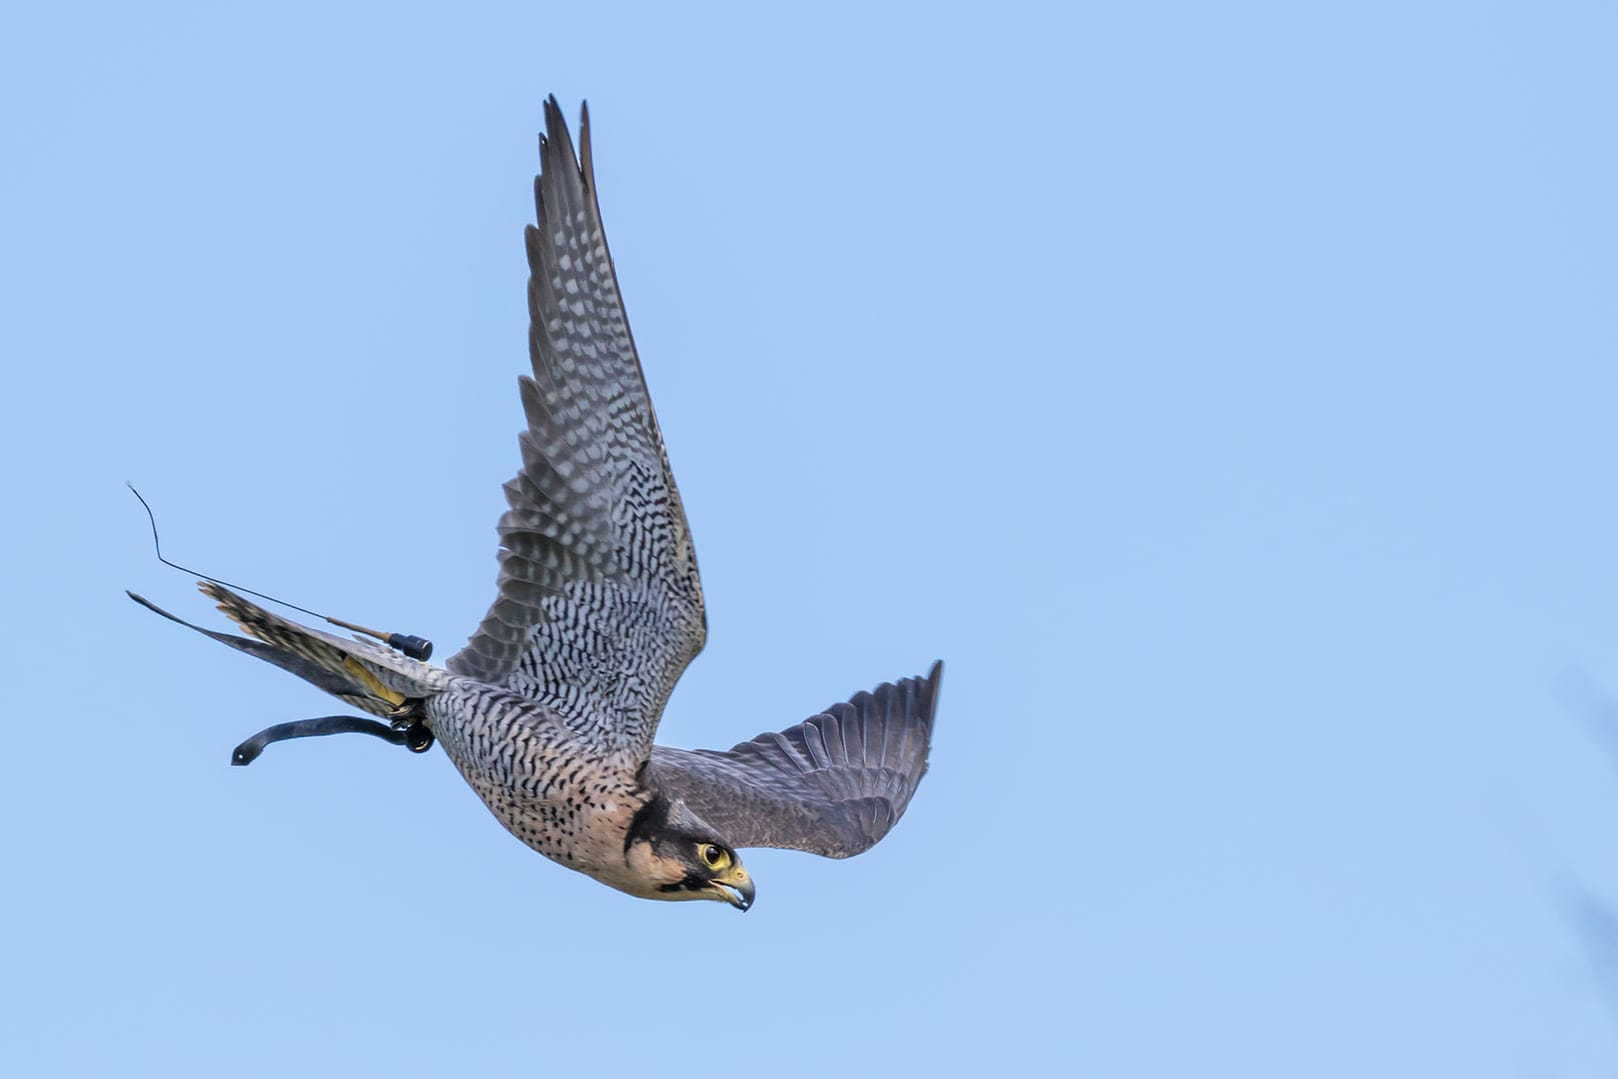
[557, 140]
[934, 681]
[586, 162]
[555, 125]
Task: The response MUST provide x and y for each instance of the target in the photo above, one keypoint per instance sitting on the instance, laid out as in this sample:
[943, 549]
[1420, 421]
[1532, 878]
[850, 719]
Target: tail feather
[365, 675]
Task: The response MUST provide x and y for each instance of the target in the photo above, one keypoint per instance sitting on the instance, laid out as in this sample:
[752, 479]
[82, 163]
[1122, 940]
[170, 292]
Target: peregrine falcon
[550, 709]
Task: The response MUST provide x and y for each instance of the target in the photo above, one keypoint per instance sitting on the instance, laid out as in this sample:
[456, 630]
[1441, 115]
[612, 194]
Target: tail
[367, 676]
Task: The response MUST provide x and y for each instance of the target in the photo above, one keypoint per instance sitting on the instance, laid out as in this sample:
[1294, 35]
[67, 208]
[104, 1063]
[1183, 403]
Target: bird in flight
[550, 709]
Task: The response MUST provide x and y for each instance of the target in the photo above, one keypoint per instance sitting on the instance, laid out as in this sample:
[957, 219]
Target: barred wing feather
[600, 604]
[833, 785]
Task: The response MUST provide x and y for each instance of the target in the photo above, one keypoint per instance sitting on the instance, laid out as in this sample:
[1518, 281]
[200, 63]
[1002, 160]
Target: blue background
[1225, 392]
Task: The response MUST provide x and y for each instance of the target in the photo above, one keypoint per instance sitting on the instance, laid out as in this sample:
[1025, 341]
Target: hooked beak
[734, 887]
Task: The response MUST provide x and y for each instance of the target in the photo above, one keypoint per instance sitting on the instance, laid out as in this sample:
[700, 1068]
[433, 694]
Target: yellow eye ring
[714, 856]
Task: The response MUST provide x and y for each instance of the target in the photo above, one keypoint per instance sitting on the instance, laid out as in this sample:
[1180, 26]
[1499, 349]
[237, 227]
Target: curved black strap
[414, 736]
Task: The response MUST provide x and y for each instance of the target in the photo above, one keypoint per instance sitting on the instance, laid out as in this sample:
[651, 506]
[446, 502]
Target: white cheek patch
[650, 874]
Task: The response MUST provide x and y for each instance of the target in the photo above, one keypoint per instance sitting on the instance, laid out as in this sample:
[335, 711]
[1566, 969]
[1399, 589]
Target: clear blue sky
[1225, 392]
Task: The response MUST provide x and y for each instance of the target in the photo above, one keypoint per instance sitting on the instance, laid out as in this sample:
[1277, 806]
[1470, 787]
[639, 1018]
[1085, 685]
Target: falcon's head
[672, 853]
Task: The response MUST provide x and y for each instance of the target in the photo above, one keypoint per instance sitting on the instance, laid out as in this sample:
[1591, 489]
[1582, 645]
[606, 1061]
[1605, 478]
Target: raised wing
[600, 604]
[833, 785]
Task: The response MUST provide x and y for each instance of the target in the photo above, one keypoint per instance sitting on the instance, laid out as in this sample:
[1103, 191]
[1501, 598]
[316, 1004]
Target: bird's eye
[714, 856]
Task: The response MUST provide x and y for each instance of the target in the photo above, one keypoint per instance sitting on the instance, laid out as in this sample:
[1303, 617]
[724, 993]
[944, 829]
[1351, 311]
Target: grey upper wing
[600, 605]
[833, 785]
